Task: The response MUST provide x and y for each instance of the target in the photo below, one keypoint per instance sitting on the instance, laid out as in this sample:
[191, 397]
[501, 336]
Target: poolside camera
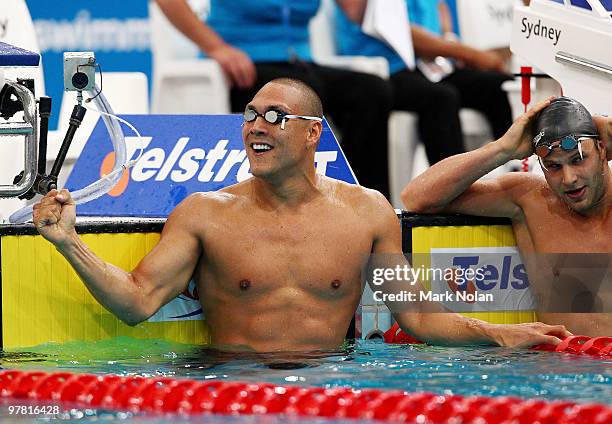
[79, 71]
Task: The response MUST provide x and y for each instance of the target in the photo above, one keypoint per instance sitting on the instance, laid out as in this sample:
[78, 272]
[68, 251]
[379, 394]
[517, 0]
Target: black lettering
[540, 30]
[557, 36]
[3, 28]
[500, 15]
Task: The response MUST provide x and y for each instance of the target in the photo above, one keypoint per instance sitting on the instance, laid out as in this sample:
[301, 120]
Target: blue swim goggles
[567, 143]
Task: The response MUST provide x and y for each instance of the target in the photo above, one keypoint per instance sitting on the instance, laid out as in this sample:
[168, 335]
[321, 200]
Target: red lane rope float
[166, 395]
[596, 346]
[583, 345]
[396, 335]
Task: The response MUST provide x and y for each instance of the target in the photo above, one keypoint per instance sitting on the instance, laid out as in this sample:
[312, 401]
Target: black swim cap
[563, 117]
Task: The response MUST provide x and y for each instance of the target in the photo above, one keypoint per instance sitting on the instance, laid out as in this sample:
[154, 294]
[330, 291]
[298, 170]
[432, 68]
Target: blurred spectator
[449, 20]
[257, 41]
[434, 92]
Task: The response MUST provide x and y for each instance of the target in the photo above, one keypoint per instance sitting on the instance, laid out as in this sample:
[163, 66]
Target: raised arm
[452, 185]
[132, 296]
[236, 64]
[604, 125]
[430, 321]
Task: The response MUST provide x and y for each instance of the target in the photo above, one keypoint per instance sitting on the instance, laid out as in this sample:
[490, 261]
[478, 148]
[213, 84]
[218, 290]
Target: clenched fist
[54, 217]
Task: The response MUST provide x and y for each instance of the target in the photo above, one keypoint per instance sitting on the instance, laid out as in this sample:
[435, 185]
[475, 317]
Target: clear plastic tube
[104, 184]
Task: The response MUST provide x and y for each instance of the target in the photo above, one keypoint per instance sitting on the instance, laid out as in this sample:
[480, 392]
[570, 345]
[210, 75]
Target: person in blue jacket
[474, 83]
[255, 42]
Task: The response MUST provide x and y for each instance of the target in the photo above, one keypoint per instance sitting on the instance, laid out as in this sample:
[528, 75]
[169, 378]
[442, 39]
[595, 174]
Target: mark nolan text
[429, 296]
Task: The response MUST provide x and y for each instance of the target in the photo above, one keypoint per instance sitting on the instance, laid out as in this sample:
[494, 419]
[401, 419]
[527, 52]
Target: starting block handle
[29, 174]
[584, 64]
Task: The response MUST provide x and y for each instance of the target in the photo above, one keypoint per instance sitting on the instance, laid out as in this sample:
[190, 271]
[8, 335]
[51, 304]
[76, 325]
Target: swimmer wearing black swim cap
[570, 151]
[564, 124]
[567, 211]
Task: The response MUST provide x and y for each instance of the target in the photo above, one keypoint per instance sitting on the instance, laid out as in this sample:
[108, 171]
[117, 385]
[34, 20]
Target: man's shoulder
[371, 209]
[527, 190]
[210, 201]
[524, 185]
[367, 204]
[355, 195]
[527, 179]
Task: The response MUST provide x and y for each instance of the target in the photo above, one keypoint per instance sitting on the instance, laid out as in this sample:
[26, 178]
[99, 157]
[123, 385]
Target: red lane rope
[396, 335]
[166, 395]
[584, 345]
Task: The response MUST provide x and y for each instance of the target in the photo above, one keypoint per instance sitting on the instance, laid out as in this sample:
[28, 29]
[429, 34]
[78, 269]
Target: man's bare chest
[567, 233]
[321, 258]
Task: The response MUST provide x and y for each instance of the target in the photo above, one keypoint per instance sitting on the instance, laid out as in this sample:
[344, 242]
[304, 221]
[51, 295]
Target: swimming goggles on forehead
[567, 143]
[276, 117]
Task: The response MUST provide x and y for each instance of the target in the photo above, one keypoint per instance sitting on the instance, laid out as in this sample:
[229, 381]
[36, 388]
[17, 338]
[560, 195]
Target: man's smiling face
[274, 147]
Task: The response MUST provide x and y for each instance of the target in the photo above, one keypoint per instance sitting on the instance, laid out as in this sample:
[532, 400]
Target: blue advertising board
[182, 154]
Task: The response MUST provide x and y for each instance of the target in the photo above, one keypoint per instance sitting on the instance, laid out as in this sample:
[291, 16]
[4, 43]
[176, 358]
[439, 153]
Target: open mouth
[261, 147]
[576, 194]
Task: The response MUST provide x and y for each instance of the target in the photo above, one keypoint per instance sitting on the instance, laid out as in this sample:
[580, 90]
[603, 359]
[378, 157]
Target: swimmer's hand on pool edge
[527, 334]
[55, 216]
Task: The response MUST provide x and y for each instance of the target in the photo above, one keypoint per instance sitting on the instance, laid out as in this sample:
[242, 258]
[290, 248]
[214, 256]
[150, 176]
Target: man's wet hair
[312, 102]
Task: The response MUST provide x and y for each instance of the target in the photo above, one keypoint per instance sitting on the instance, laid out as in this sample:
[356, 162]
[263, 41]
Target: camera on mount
[79, 71]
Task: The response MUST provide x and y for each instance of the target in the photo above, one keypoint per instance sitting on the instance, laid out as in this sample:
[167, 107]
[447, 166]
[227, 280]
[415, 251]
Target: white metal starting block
[570, 40]
[17, 99]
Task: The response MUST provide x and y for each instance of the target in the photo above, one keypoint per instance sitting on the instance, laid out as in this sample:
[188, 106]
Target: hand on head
[604, 126]
[236, 64]
[54, 216]
[518, 140]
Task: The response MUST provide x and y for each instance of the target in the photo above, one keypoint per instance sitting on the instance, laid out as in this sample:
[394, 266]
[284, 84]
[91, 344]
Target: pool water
[363, 364]
[371, 364]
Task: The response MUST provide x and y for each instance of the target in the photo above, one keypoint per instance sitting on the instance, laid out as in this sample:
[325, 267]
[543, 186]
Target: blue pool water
[366, 364]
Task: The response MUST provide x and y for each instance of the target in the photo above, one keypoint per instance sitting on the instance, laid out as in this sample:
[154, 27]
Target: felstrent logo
[183, 164]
